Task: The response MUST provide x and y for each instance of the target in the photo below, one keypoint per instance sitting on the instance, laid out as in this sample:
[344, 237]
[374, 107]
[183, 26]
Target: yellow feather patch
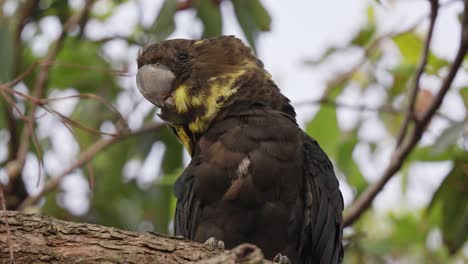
[181, 98]
[198, 100]
[184, 138]
[211, 102]
[219, 87]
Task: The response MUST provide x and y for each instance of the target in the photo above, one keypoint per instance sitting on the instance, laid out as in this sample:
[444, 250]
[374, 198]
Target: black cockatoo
[255, 176]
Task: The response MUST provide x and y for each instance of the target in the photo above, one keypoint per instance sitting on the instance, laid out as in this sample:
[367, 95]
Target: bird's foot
[281, 259]
[214, 244]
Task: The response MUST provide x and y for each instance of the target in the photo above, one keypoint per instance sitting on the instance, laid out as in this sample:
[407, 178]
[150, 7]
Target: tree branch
[410, 115]
[40, 239]
[369, 49]
[40, 84]
[402, 151]
[84, 157]
[388, 109]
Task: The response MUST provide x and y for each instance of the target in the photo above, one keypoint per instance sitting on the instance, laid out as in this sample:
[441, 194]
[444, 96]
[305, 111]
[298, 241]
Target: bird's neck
[258, 90]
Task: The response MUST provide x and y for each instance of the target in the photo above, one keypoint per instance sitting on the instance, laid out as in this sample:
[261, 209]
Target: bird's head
[192, 80]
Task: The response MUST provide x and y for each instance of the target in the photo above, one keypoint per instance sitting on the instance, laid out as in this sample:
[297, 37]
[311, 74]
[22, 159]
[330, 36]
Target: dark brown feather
[267, 205]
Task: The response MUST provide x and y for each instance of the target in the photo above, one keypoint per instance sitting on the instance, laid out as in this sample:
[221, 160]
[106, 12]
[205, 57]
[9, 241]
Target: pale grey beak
[155, 83]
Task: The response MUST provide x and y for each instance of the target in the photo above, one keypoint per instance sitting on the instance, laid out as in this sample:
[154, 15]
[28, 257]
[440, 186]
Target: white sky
[301, 29]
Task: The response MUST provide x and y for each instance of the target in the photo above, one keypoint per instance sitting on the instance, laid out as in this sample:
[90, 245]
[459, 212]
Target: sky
[301, 29]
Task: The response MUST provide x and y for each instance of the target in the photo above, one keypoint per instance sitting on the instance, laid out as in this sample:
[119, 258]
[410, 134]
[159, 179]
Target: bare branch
[128, 39]
[11, 123]
[410, 115]
[40, 83]
[388, 109]
[370, 48]
[84, 157]
[87, 67]
[402, 151]
[326, 101]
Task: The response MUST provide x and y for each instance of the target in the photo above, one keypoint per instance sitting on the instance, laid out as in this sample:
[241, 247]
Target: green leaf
[434, 64]
[333, 90]
[324, 128]
[260, 15]
[364, 36]
[392, 123]
[242, 12]
[164, 24]
[6, 62]
[85, 54]
[370, 14]
[427, 154]
[407, 230]
[252, 17]
[464, 94]
[411, 46]
[6, 52]
[401, 75]
[452, 197]
[172, 159]
[449, 137]
[324, 56]
[210, 14]
[348, 166]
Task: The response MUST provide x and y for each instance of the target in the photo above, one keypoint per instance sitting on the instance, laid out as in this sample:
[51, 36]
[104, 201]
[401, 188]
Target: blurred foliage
[407, 235]
[434, 234]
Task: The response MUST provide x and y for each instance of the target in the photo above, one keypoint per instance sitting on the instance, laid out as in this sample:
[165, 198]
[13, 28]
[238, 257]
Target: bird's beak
[155, 83]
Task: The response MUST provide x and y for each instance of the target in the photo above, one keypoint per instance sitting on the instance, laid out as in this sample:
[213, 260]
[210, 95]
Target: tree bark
[40, 239]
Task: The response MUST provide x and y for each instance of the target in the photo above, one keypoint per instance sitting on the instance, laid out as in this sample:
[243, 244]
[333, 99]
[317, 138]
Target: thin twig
[326, 101]
[8, 109]
[388, 109]
[128, 39]
[369, 49]
[402, 151]
[85, 157]
[10, 101]
[410, 115]
[23, 75]
[89, 166]
[121, 123]
[11, 123]
[87, 67]
[41, 81]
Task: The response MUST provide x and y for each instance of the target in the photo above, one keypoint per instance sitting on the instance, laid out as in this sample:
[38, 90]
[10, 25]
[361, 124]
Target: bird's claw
[214, 244]
[281, 259]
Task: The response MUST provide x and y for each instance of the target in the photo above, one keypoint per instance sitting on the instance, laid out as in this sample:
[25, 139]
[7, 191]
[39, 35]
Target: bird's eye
[182, 56]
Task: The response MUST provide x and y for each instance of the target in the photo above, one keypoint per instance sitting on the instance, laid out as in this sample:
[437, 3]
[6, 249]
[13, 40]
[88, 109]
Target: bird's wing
[243, 183]
[322, 225]
[187, 205]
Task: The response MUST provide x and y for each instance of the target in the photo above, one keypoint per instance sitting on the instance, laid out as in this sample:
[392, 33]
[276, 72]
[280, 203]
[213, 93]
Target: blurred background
[345, 65]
